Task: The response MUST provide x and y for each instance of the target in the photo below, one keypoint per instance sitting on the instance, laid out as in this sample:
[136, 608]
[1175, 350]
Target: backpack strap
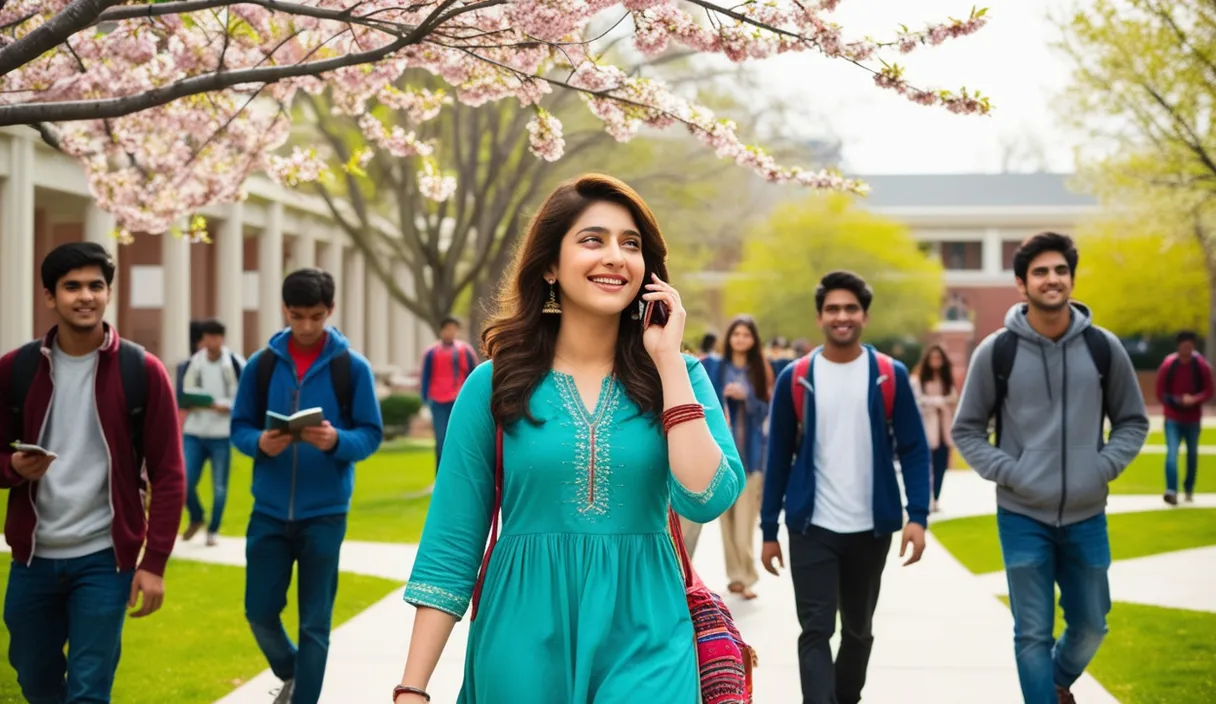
[133, 366]
[1099, 350]
[886, 379]
[1004, 350]
[485, 561]
[339, 374]
[266, 363]
[802, 370]
[25, 366]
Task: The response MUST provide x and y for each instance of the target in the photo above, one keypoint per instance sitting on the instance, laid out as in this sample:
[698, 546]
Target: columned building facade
[163, 282]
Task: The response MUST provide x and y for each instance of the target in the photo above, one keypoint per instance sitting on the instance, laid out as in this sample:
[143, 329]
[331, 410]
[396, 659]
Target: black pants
[836, 571]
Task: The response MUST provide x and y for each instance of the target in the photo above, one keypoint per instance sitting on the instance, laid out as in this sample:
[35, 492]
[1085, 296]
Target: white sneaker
[284, 692]
[213, 539]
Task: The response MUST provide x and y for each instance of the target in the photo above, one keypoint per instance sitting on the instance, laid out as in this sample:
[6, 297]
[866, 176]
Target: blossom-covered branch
[172, 105]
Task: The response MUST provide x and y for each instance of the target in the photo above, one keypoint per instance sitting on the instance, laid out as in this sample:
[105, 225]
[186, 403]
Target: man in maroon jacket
[76, 515]
[1184, 384]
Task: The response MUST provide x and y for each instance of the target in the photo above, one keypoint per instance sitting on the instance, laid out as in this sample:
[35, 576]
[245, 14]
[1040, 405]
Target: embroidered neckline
[592, 442]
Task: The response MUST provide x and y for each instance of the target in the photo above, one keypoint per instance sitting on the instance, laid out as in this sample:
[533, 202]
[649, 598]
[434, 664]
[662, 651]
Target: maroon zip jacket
[164, 465]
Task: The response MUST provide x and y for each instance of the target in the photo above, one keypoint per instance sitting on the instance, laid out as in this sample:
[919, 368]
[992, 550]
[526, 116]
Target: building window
[1008, 249]
[962, 256]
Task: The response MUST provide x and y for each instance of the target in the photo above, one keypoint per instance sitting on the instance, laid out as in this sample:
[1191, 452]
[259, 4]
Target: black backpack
[1005, 349]
[339, 374]
[132, 364]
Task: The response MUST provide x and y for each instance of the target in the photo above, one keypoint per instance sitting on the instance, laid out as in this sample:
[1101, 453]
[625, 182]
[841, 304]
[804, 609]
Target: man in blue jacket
[835, 478]
[302, 489]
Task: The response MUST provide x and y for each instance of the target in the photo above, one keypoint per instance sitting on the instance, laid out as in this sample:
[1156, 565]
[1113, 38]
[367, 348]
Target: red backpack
[802, 369]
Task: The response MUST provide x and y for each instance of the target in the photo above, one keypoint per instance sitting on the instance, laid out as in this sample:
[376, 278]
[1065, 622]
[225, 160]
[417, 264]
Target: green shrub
[398, 411]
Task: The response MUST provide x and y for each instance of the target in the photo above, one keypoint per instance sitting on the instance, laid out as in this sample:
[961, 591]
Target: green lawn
[1155, 655]
[198, 647]
[974, 542]
[382, 508]
[1146, 475]
[1207, 436]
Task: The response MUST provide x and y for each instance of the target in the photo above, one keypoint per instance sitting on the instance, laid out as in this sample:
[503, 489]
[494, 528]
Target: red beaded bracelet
[681, 414]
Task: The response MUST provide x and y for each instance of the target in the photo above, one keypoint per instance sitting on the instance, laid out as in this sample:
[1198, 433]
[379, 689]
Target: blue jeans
[1175, 433]
[80, 601]
[941, 461]
[197, 451]
[1037, 557]
[271, 548]
[440, 414]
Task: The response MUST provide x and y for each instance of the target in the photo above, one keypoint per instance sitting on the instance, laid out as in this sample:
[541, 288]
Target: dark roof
[1000, 190]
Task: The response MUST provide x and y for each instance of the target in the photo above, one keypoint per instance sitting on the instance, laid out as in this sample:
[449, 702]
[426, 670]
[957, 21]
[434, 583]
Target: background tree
[1141, 280]
[785, 257]
[170, 105]
[1143, 88]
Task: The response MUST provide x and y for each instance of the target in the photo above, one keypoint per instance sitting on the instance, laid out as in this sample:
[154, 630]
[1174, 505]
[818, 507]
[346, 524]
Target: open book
[32, 449]
[296, 422]
[195, 398]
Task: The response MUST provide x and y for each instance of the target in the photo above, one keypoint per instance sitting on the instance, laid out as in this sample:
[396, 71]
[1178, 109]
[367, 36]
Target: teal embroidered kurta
[583, 601]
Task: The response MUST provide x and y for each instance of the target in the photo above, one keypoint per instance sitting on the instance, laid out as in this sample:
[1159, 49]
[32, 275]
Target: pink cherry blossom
[157, 162]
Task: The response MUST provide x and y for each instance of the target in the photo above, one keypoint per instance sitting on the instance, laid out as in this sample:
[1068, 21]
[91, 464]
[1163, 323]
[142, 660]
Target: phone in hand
[655, 314]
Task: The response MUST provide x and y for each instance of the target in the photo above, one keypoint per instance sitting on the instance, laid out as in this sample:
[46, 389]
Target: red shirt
[1183, 381]
[304, 357]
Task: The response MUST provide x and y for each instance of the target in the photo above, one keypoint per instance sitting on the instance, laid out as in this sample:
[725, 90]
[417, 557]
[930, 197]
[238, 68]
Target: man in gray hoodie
[1050, 379]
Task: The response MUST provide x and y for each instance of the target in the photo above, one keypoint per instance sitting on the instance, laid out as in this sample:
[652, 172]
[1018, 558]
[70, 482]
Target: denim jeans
[271, 548]
[197, 451]
[440, 414]
[1175, 434]
[1037, 557]
[80, 601]
[941, 461]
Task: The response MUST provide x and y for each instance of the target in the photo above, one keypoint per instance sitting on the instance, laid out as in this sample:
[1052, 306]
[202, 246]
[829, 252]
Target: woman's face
[935, 359]
[741, 339]
[600, 266]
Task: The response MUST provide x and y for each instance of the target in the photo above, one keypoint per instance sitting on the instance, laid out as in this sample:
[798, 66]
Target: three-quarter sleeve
[728, 481]
[454, 535]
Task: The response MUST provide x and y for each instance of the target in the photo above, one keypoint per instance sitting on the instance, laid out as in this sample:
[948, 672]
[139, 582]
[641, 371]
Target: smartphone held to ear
[655, 314]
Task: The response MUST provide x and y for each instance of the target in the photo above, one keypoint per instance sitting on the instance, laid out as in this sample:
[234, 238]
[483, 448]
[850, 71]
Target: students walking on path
[839, 419]
[214, 371]
[1050, 379]
[601, 424]
[302, 486]
[445, 367]
[743, 380]
[85, 547]
[1184, 384]
[933, 384]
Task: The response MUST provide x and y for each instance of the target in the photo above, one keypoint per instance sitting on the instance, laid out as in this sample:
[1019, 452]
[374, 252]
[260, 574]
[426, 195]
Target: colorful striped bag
[725, 662]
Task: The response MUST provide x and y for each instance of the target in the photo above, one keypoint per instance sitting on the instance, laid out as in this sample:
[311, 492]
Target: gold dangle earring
[551, 305]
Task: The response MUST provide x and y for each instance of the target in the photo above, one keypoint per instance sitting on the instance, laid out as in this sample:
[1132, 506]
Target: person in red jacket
[1184, 384]
[445, 366]
[76, 520]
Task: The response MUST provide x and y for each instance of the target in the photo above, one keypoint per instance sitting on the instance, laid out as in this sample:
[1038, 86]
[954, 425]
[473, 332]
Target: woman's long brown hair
[926, 374]
[757, 366]
[521, 340]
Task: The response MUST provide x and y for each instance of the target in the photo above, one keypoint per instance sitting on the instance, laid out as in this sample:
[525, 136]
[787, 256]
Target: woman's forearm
[692, 451]
[432, 628]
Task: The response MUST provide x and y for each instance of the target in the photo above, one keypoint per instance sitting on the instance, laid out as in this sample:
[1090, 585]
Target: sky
[1011, 60]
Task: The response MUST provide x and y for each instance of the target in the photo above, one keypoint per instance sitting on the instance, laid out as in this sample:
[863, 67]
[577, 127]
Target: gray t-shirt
[74, 512]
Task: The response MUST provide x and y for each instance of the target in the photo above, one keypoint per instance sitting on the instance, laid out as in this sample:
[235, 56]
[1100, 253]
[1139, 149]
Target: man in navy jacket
[301, 490]
[836, 481]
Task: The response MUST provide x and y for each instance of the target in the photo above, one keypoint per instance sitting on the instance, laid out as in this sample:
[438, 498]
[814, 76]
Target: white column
[175, 307]
[303, 251]
[17, 246]
[991, 252]
[377, 321]
[352, 303]
[229, 275]
[270, 273]
[98, 226]
[404, 324]
[333, 263]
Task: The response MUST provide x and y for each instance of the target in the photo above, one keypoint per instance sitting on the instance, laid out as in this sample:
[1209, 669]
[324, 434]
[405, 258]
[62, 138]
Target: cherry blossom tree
[170, 105]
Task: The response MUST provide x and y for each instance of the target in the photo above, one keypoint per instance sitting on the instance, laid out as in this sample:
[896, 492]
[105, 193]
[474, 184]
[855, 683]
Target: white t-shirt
[219, 380]
[844, 452]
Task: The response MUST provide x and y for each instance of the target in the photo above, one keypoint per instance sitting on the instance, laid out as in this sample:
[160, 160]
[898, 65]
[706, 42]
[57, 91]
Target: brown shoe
[193, 528]
[1171, 499]
[1063, 696]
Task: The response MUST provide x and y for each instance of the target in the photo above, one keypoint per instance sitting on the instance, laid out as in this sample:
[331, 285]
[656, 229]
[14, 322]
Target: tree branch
[47, 36]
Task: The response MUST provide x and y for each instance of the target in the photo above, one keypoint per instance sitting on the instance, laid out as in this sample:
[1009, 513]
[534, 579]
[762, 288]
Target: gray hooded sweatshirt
[1052, 464]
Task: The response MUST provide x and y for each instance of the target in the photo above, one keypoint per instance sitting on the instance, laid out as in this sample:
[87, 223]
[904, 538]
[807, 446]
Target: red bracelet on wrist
[681, 414]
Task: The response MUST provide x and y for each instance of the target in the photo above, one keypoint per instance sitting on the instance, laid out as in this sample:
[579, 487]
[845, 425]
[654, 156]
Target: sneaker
[284, 693]
[1063, 696]
[1171, 499]
[194, 527]
[213, 539]
[1190, 497]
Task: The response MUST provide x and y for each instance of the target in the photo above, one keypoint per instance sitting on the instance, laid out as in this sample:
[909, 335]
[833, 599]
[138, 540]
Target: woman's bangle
[406, 689]
[681, 414]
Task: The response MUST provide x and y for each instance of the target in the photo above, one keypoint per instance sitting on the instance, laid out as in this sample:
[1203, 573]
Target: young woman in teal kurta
[583, 599]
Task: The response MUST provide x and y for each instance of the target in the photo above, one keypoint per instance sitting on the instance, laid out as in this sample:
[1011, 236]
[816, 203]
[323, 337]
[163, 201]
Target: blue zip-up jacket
[789, 480]
[302, 481]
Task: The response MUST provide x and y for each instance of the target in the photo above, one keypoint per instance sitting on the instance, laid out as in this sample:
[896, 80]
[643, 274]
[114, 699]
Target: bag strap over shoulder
[485, 561]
